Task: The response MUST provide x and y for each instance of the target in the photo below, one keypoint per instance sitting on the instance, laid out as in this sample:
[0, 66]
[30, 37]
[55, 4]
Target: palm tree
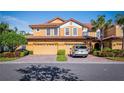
[23, 32]
[120, 21]
[102, 24]
[15, 29]
[4, 27]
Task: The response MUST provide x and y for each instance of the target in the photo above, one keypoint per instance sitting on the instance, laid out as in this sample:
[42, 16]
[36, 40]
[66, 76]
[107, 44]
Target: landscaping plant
[61, 55]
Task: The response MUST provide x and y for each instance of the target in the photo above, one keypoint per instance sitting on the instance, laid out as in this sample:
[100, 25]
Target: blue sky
[21, 19]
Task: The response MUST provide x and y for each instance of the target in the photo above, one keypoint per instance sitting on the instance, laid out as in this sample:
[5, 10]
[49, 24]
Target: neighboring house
[62, 34]
[113, 37]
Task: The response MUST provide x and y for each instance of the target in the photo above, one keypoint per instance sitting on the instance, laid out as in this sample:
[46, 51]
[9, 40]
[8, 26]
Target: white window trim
[73, 31]
[58, 32]
[65, 32]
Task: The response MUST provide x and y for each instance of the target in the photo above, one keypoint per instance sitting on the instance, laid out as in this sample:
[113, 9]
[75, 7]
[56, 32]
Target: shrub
[61, 52]
[22, 54]
[108, 53]
[107, 49]
[1, 55]
[61, 58]
[31, 52]
[26, 52]
[96, 53]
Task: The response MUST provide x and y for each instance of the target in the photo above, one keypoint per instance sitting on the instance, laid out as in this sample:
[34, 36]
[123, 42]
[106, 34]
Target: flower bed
[14, 54]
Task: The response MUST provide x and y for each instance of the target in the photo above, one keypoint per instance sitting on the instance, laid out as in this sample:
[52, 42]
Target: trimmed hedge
[112, 53]
[61, 58]
[61, 52]
[61, 55]
[31, 52]
[24, 53]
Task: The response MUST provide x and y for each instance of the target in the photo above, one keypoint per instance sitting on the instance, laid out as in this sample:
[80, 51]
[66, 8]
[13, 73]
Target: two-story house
[58, 34]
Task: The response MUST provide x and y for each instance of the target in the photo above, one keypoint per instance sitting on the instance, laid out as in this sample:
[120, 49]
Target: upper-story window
[74, 32]
[85, 32]
[67, 33]
[37, 29]
[56, 32]
[48, 32]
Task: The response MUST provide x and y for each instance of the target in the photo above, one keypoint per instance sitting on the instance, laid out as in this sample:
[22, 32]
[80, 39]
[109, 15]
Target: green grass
[116, 58]
[6, 59]
[61, 58]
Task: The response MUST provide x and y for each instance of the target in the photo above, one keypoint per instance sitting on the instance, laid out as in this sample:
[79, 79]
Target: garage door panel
[45, 49]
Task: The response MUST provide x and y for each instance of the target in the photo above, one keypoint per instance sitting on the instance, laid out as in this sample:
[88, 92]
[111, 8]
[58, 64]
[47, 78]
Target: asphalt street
[84, 71]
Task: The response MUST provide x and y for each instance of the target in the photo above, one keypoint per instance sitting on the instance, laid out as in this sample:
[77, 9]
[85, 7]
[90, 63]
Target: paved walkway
[52, 59]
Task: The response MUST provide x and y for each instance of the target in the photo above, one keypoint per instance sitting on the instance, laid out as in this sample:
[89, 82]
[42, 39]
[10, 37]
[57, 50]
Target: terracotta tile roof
[58, 37]
[55, 19]
[45, 25]
[89, 26]
[73, 20]
[48, 24]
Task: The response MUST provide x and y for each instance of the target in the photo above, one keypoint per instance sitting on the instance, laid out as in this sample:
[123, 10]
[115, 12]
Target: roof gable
[70, 23]
[56, 20]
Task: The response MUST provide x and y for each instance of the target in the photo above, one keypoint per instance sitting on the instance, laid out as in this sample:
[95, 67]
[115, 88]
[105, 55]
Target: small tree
[102, 24]
[120, 21]
[4, 27]
[13, 40]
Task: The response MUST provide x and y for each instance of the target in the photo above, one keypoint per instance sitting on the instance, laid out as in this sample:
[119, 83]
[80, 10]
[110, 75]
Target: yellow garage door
[46, 49]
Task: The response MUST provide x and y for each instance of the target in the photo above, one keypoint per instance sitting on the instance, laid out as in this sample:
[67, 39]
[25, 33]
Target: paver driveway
[52, 59]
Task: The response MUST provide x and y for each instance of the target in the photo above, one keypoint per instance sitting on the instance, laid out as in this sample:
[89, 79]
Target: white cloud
[15, 22]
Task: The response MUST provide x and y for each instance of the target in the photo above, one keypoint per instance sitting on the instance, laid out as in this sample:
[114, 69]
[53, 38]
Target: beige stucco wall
[41, 32]
[119, 32]
[107, 43]
[116, 44]
[111, 31]
[92, 34]
[115, 31]
[50, 48]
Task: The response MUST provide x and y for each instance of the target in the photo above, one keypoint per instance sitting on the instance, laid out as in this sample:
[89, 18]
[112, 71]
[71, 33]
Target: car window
[81, 47]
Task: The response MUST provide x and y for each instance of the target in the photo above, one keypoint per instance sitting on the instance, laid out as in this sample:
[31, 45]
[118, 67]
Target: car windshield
[81, 47]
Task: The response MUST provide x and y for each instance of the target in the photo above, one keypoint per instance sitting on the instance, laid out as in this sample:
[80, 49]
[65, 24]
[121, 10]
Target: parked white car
[79, 50]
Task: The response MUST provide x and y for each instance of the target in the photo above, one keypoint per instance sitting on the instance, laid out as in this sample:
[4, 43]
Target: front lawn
[116, 58]
[7, 59]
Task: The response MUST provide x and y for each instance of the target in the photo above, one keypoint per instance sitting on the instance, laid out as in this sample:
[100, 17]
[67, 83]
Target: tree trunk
[1, 49]
[101, 45]
[101, 39]
[123, 40]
